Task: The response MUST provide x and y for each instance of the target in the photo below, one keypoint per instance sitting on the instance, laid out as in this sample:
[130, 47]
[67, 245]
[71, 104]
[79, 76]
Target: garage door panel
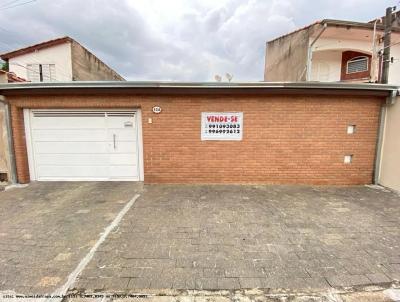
[84, 145]
[121, 122]
[123, 159]
[68, 123]
[123, 171]
[123, 147]
[65, 135]
[72, 159]
[122, 135]
[71, 147]
[73, 171]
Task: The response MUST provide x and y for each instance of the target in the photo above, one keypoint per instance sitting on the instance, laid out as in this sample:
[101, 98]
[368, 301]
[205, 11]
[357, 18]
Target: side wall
[287, 139]
[390, 160]
[87, 67]
[286, 58]
[394, 69]
[4, 154]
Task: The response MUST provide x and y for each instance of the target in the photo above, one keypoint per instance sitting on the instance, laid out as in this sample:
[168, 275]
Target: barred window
[41, 72]
[357, 64]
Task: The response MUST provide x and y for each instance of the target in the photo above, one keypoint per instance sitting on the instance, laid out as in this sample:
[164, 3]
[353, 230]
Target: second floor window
[357, 64]
[41, 72]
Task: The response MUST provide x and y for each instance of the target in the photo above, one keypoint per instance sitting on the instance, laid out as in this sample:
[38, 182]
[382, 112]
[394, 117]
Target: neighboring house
[58, 60]
[344, 51]
[10, 77]
[62, 59]
[330, 51]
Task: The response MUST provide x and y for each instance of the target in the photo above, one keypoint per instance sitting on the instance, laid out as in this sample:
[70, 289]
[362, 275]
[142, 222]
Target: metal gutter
[196, 85]
[10, 141]
[391, 99]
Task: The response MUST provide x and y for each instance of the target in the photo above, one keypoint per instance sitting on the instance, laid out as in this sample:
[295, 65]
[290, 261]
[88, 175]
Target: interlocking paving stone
[213, 272]
[47, 228]
[347, 280]
[263, 236]
[378, 278]
[139, 283]
[228, 283]
[202, 237]
[251, 282]
[207, 283]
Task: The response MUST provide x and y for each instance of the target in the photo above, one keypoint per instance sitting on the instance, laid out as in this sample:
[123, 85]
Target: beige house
[344, 51]
[330, 51]
[58, 60]
[62, 59]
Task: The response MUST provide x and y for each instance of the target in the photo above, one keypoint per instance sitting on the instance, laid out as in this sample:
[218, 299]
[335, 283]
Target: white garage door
[83, 145]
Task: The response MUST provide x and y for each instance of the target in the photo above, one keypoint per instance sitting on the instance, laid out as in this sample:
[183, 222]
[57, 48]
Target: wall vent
[348, 159]
[351, 129]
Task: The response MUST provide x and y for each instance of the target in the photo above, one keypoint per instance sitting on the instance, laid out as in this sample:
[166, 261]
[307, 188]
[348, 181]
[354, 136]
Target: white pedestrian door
[83, 145]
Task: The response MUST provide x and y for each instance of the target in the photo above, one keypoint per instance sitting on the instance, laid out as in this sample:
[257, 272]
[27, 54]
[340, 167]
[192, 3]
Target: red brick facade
[286, 139]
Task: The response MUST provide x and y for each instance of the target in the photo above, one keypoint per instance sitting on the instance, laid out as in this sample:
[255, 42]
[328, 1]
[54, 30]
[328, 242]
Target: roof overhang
[197, 88]
[36, 47]
[349, 24]
[341, 24]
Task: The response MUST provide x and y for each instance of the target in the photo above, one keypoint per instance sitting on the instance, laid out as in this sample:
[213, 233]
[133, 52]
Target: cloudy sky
[186, 40]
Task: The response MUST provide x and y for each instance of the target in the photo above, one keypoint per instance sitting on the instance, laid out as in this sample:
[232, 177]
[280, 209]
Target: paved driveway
[230, 237]
[47, 228]
[198, 237]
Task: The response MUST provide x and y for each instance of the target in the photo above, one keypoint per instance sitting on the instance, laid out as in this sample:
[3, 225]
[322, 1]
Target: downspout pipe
[309, 52]
[10, 141]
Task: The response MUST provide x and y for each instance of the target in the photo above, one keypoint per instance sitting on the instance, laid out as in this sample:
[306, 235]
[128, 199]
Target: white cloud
[175, 39]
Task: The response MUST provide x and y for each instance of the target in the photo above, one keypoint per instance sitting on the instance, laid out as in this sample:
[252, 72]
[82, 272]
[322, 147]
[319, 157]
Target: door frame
[28, 113]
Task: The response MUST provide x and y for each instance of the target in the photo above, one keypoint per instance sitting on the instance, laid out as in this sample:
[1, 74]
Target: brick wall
[286, 139]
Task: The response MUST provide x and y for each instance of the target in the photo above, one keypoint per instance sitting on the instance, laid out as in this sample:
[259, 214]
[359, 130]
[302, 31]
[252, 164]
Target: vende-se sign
[222, 126]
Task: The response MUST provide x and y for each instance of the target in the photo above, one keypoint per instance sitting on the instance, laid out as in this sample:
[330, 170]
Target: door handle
[114, 140]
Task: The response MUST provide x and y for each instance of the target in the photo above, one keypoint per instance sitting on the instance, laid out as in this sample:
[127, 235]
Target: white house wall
[331, 44]
[394, 69]
[390, 161]
[326, 66]
[327, 57]
[60, 55]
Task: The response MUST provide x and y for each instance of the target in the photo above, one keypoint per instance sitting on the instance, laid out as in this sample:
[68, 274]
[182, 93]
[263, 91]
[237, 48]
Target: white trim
[85, 179]
[29, 144]
[140, 143]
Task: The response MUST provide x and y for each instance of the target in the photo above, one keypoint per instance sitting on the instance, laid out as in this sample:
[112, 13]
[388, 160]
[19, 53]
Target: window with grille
[357, 64]
[41, 72]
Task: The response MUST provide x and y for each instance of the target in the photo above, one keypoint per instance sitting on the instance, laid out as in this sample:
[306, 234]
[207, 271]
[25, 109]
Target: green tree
[4, 66]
